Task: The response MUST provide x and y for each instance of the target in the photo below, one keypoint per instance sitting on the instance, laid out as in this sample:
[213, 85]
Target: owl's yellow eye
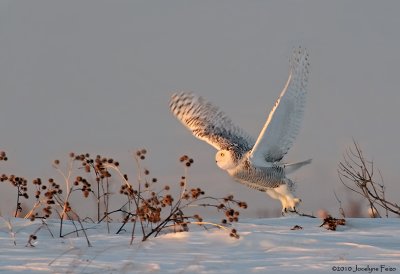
[222, 154]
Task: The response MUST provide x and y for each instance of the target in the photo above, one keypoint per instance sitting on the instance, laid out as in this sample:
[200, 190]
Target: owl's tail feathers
[289, 168]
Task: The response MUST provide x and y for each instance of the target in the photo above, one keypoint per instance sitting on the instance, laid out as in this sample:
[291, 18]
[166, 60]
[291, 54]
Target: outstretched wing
[208, 123]
[283, 122]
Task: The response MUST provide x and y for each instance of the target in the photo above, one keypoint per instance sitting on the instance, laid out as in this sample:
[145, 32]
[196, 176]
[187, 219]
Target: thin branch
[356, 169]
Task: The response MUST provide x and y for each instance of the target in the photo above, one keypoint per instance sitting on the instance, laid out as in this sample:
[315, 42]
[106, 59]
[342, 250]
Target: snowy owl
[255, 163]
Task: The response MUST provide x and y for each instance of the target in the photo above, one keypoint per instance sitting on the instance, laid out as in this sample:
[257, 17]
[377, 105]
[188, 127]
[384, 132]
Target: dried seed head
[234, 234]
[183, 158]
[242, 205]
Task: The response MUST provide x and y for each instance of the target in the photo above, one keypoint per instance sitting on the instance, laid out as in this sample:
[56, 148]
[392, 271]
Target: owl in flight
[254, 163]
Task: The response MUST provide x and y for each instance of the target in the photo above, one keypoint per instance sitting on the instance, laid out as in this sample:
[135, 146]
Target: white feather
[283, 123]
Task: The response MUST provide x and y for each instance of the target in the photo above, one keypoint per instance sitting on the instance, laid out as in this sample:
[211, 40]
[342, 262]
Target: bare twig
[357, 174]
[341, 210]
[10, 228]
[33, 236]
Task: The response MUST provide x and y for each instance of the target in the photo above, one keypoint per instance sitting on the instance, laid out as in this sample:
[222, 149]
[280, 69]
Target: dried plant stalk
[357, 174]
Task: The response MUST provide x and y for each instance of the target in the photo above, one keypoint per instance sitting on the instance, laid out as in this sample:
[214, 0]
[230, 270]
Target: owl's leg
[275, 195]
[289, 202]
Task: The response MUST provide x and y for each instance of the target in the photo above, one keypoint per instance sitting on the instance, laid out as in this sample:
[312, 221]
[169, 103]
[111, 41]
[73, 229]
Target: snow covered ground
[265, 245]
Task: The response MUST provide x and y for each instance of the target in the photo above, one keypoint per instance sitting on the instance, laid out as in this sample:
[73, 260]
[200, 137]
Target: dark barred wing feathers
[209, 124]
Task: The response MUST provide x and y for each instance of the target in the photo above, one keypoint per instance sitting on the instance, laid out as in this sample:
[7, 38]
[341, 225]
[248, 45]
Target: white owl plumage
[255, 163]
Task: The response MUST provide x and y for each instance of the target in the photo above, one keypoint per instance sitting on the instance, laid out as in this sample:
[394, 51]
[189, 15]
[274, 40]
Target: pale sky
[96, 76]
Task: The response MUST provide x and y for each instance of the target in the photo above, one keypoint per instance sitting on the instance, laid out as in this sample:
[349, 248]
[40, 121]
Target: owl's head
[225, 159]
